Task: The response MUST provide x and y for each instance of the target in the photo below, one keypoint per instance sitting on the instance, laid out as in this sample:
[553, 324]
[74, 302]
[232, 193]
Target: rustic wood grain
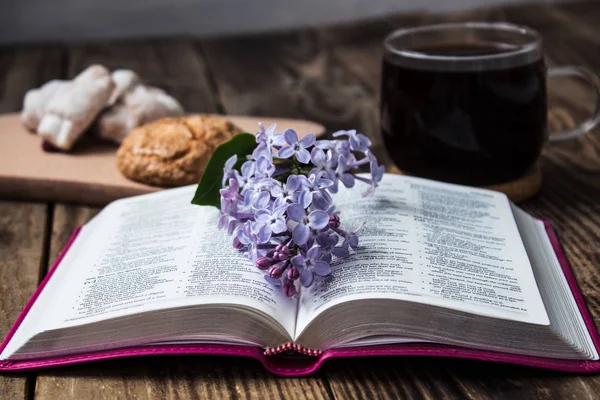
[22, 230]
[287, 74]
[173, 378]
[360, 45]
[24, 68]
[585, 16]
[172, 65]
[434, 378]
[22, 225]
[65, 219]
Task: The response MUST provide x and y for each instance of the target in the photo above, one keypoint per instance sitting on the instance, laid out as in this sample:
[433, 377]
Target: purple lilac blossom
[357, 141]
[316, 219]
[310, 265]
[297, 147]
[280, 208]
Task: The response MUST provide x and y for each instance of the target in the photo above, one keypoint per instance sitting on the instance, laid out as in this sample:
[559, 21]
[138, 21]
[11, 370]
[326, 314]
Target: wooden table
[329, 75]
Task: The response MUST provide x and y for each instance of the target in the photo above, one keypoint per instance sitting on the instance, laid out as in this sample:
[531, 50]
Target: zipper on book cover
[290, 346]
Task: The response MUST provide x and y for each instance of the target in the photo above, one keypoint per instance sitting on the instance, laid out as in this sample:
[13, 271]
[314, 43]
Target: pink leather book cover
[307, 365]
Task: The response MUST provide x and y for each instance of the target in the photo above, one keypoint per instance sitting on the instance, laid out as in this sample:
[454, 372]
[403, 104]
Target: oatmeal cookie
[172, 151]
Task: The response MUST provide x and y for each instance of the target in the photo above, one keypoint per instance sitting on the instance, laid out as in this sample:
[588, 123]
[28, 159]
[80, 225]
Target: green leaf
[207, 193]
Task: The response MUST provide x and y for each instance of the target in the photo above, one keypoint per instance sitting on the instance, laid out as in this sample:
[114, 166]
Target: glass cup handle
[593, 120]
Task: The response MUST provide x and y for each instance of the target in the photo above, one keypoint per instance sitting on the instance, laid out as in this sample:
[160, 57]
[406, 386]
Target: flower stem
[359, 163]
[279, 172]
[280, 234]
[362, 179]
[340, 232]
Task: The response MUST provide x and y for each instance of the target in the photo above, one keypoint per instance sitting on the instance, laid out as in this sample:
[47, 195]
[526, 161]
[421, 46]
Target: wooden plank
[175, 378]
[287, 74]
[570, 20]
[22, 237]
[586, 14]
[422, 378]
[173, 65]
[67, 218]
[26, 67]
[22, 225]
[360, 45]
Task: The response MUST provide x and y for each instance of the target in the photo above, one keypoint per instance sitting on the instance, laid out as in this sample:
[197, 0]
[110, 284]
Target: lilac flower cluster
[279, 203]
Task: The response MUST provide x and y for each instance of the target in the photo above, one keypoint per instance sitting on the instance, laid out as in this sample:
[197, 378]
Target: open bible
[442, 270]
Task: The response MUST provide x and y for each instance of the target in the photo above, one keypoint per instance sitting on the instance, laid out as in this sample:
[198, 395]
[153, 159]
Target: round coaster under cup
[517, 190]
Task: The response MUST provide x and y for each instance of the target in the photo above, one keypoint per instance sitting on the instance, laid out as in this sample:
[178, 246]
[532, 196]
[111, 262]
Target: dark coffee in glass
[464, 103]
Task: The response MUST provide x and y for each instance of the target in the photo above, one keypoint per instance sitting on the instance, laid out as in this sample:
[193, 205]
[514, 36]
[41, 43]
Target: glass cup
[467, 102]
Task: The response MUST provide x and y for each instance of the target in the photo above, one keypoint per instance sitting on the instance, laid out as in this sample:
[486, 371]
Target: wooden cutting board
[88, 174]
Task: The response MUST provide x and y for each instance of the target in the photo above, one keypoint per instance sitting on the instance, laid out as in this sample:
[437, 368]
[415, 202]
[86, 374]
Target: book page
[434, 243]
[154, 252]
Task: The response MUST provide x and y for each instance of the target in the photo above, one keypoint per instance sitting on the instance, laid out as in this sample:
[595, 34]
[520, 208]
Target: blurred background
[74, 20]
